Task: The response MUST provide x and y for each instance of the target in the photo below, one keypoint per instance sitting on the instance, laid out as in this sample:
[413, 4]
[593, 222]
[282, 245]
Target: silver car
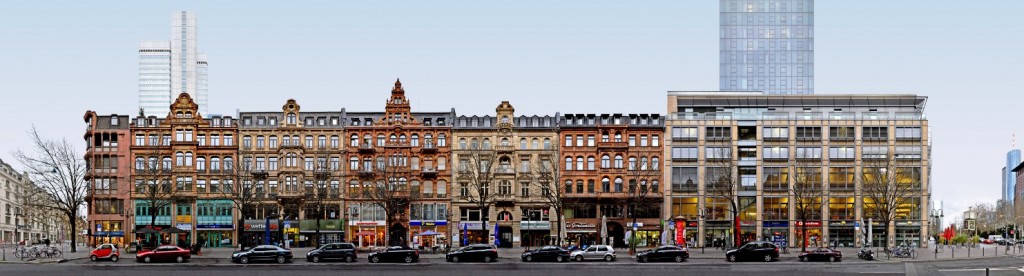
[596, 252]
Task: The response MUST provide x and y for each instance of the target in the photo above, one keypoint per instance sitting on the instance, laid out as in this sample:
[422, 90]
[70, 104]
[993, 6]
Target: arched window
[568, 186]
[579, 186]
[228, 164]
[547, 143]
[644, 163]
[140, 163]
[604, 136]
[522, 143]
[353, 163]
[321, 142]
[462, 143]
[201, 164]
[606, 162]
[474, 144]
[415, 140]
[441, 141]
[215, 164]
[579, 163]
[487, 143]
[505, 142]
[428, 139]
[568, 163]
[380, 140]
[367, 140]
[618, 161]
[590, 163]
[606, 185]
[179, 159]
[632, 163]
[188, 159]
[655, 164]
[618, 137]
[618, 185]
[654, 187]
[291, 119]
[536, 143]
[393, 138]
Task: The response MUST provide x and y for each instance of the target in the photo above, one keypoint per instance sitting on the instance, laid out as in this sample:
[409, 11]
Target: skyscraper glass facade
[167, 68]
[767, 45]
[1009, 177]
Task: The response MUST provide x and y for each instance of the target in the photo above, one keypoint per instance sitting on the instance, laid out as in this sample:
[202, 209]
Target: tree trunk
[558, 228]
[317, 242]
[803, 229]
[72, 217]
[736, 225]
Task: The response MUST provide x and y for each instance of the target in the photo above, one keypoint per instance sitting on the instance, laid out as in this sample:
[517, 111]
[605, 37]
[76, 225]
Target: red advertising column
[681, 232]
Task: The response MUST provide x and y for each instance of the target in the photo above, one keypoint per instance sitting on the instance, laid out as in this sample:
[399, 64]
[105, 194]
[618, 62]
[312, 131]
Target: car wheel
[280, 259]
[92, 258]
[608, 258]
[528, 259]
[316, 258]
[244, 259]
[731, 258]
[561, 259]
[180, 259]
[831, 259]
[767, 258]
[643, 259]
[803, 259]
[114, 258]
[408, 259]
[146, 259]
[374, 259]
[488, 259]
[579, 258]
[679, 259]
[349, 259]
[455, 259]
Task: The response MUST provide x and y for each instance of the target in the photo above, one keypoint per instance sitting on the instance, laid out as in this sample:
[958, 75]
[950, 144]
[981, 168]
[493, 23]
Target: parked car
[987, 241]
[477, 252]
[664, 253]
[758, 250]
[262, 253]
[164, 253]
[105, 251]
[1006, 241]
[821, 254]
[546, 253]
[395, 254]
[596, 252]
[333, 251]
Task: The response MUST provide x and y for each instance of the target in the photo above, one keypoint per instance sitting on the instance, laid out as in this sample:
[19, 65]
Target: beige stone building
[769, 143]
[497, 159]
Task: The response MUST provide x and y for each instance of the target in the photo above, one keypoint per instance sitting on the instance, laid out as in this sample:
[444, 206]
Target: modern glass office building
[167, 68]
[1010, 177]
[767, 45]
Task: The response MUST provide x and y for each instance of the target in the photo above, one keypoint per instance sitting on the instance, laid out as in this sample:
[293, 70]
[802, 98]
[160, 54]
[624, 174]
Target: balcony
[428, 148]
[396, 145]
[504, 148]
[505, 171]
[259, 174]
[365, 173]
[428, 172]
[504, 199]
[367, 149]
[612, 145]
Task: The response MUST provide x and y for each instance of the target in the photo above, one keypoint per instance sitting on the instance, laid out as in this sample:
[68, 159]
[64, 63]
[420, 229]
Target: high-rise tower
[168, 68]
[767, 45]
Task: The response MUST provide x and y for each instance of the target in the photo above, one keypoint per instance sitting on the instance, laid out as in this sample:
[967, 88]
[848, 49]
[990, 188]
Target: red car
[105, 251]
[164, 253]
[821, 254]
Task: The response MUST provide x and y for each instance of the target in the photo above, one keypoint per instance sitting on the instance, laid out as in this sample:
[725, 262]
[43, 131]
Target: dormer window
[309, 121]
[261, 121]
[113, 120]
[273, 121]
[291, 119]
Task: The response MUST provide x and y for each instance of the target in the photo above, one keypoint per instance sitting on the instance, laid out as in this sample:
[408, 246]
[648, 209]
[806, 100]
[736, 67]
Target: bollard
[969, 251]
[983, 252]
[701, 250]
[986, 271]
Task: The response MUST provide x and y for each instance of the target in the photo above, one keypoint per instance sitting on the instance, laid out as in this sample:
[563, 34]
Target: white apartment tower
[167, 68]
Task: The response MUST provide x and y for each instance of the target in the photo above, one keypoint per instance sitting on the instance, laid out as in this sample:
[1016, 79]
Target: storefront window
[716, 208]
[776, 208]
[685, 207]
[840, 208]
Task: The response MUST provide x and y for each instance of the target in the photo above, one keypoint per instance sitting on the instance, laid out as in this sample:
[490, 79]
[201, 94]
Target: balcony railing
[504, 148]
[428, 148]
[778, 115]
[612, 145]
[367, 149]
[428, 172]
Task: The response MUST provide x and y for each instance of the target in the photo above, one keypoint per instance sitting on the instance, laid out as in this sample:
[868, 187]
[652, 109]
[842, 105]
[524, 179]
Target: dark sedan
[164, 253]
[757, 251]
[546, 253]
[664, 253]
[395, 254]
[476, 252]
[262, 253]
[821, 254]
[333, 251]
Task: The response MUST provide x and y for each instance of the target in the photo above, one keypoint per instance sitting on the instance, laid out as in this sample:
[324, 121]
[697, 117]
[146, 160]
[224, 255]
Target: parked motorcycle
[866, 254]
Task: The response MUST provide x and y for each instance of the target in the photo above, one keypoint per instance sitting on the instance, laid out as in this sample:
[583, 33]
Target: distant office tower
[767, 45]
[1010, 177]
[167, 68]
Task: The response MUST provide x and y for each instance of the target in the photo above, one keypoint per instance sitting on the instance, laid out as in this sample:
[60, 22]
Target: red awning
[365, 233]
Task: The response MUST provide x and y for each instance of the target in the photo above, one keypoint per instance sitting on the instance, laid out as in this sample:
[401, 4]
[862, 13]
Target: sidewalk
[66, 254]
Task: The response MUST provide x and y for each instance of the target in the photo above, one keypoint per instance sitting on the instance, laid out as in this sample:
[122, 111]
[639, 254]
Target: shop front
[683, 232]
[428, 233]
[717, 233]
[908, 233]
[776, 231]
[366, 234]
[216, 235]
[254, 231]
[813, 237]
[330, 231]
[648, 233]
[748, 231]
[534, 233]
[152, 240]
[841, 233]
[109, 231]
[183, 222]
[582, 232]
[471, 232]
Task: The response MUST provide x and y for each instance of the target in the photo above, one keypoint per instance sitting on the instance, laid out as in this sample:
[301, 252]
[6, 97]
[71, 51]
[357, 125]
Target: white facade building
[167, 68]
[33, 223]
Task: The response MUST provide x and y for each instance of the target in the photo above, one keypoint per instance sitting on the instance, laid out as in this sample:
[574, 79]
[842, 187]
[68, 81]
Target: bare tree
[478, 171]
[641, 193]
[324, 190]
[241, 191]
[547, 176]
[885, 184]
[154, 184]
[807, 192]
[386, 186]
[55, 166]
[721, 182]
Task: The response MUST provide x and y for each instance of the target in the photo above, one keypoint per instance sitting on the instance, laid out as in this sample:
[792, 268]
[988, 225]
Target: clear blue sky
[59, 59]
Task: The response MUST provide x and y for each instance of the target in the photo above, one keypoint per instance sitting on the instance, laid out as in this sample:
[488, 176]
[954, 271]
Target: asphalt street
[997, 266]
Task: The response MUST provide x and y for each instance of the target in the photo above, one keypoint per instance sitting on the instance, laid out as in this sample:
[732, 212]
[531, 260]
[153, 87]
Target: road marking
[982, 269]
[910, 270]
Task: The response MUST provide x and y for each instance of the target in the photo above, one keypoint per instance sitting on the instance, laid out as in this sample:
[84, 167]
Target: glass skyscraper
[1009, 177]
[168, 68]
[767, 45]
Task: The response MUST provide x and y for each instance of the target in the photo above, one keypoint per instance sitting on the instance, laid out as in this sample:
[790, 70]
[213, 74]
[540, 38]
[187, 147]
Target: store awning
[365, 233]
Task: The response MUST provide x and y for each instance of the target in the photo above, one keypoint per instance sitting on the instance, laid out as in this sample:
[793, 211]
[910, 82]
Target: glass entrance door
[213, 239]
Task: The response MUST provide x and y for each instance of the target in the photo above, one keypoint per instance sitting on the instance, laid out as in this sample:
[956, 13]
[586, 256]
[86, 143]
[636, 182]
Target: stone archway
[618, 234]
[397, 235]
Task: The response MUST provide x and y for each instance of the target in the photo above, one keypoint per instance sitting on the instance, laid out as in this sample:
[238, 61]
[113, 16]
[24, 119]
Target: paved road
[212, 266]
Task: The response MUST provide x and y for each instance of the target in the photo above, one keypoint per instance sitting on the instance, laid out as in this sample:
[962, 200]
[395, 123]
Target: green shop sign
[325, 224]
